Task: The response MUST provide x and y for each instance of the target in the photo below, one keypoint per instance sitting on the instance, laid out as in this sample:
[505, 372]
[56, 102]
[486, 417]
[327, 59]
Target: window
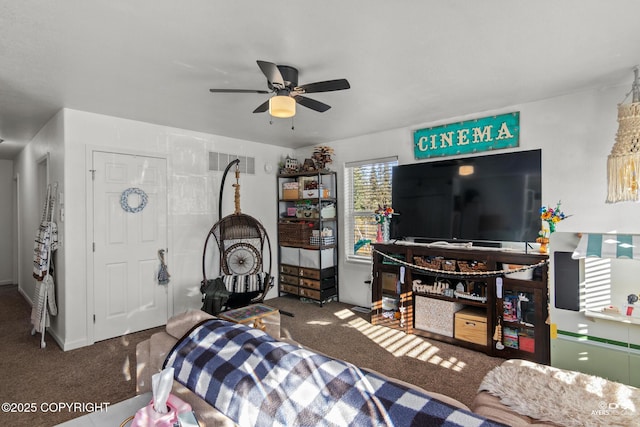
[367, 186]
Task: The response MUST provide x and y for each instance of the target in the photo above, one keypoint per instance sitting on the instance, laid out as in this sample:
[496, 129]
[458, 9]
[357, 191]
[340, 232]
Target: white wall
[49, 142]
[193, 202]
[6, 222]
[575, 132]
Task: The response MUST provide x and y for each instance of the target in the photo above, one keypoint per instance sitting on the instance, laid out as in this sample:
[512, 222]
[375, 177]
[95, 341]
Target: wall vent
[219, 161]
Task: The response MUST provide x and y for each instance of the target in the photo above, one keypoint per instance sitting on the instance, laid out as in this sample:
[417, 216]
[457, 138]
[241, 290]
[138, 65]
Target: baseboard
[25, 296]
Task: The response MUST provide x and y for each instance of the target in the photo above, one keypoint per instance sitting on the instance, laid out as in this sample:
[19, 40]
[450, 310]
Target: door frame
[89, 152]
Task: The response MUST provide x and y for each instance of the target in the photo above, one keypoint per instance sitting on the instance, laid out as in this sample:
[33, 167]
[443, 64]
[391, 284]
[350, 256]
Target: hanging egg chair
[243, 250]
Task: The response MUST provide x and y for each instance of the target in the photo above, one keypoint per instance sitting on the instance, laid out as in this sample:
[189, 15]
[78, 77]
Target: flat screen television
[488, 198]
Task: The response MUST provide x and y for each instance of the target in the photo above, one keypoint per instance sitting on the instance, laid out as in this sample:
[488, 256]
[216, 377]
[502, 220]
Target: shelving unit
[308, 235]
[415, 300]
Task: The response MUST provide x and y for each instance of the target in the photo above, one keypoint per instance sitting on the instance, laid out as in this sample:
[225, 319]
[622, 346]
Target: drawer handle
[470, 323]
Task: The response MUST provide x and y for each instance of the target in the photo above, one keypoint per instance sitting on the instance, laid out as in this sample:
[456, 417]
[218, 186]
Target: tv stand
[408, 293]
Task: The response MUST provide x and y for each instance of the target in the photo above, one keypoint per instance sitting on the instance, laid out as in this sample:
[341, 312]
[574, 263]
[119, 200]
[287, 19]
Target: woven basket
[471, 266]
[294, 233]
[449, 265]
[428, 262]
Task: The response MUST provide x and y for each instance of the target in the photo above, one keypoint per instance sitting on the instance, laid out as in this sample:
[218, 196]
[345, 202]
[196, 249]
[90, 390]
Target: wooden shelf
[311, 199]
[424, 323]
[307, 270]
[613, 317]
[296, 219]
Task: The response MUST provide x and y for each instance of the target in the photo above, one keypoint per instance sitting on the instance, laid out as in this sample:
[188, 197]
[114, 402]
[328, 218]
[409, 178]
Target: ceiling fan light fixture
[282, 106]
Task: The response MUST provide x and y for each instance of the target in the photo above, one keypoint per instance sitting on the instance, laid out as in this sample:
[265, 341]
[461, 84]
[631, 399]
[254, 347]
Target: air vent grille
[219, 161]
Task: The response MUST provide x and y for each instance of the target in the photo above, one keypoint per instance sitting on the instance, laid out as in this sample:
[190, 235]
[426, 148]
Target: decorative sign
[488, 133]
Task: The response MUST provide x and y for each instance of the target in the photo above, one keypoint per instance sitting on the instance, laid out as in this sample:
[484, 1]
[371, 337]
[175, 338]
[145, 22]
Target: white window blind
[367, 186]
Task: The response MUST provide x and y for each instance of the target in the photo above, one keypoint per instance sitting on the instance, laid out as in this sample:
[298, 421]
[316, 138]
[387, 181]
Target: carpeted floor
[341, 332]
[105, 371]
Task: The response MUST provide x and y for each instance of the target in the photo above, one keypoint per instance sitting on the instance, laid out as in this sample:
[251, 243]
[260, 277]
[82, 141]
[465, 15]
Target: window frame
[350, 213]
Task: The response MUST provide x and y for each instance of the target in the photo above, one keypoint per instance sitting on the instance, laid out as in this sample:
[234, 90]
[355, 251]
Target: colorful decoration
[550, 217]
[383, 214]
[383, 217]
[124, 200]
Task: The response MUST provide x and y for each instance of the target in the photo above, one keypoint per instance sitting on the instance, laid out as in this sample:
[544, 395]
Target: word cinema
[488, 133]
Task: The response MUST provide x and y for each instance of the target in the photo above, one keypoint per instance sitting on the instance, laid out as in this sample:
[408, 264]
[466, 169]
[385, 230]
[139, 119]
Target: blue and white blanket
[258, 381]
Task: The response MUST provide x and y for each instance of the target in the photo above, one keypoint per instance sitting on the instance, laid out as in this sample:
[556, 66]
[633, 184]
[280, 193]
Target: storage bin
[434, 315]
[471, 326]
[289, 269]
[290, 190]
[471, 266]
[315, 193]
[289, 289]
[294, 233]
[326, 241]
[328, 211]
[429, 262]
[289, 256]
[522, 275]
[449, 264]
[311, 258]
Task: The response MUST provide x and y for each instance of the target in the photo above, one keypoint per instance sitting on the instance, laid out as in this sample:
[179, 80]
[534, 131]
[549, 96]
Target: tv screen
[484, 198]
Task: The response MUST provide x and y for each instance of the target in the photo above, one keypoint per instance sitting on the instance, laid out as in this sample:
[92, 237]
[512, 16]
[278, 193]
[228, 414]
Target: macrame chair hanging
[244, 253]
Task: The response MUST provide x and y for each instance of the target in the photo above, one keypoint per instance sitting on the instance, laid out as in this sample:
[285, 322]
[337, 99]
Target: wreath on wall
[124, 200]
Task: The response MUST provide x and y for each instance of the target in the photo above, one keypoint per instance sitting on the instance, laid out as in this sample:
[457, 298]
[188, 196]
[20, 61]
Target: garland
[461, 274]
[124, 200]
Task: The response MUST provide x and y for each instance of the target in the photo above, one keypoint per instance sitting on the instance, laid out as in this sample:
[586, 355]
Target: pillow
[245, 283]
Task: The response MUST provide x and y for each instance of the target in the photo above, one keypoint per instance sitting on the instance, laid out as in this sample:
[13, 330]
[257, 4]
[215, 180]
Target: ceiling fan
[282, 81]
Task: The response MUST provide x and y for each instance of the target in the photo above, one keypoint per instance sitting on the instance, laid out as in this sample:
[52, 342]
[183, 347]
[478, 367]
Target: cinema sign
[472, 136]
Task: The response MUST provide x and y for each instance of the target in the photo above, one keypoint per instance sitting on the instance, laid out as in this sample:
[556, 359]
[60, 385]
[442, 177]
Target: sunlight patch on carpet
[319, 322]
[344, 314]
[126, 369]
[401, 344]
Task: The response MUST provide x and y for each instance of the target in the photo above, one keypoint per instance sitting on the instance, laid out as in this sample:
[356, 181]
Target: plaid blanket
[258, 381]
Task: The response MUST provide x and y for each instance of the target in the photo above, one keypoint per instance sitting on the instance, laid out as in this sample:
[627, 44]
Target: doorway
[129, 228]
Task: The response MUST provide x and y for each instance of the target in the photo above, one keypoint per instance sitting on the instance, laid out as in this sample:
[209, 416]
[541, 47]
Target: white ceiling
[408, 61]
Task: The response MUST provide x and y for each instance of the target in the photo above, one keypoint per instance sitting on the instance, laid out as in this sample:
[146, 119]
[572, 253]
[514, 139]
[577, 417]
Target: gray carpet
[105, 371]
[341, 332]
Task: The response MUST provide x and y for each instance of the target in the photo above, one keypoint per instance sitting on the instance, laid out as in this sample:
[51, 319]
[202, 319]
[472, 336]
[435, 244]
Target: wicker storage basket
[429, 262]
[295, 233]
[471, 266]
[449, 265]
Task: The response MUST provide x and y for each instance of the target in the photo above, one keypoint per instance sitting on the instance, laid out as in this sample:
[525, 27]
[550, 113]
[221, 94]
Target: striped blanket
[258, 381]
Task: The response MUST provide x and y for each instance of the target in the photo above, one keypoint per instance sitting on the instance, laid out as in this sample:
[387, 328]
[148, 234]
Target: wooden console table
[408, 293]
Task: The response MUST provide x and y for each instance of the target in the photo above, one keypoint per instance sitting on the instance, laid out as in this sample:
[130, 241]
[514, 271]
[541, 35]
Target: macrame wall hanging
[623, 164]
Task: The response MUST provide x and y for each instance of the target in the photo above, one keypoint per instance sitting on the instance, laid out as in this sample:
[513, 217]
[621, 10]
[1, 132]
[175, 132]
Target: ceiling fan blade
[270, 70]
[262, 107]
[326, 86]
[312, 103]
[237, 91]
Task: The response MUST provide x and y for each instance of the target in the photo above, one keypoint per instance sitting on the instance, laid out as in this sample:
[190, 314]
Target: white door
[130, 226]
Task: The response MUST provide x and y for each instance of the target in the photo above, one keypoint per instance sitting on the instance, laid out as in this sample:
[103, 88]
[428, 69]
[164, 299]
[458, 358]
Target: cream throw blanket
[563, 397]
